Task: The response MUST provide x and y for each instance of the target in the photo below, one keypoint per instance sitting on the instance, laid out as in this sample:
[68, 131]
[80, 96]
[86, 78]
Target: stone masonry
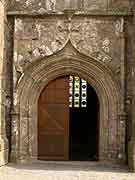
[41, 40]
[3, 137]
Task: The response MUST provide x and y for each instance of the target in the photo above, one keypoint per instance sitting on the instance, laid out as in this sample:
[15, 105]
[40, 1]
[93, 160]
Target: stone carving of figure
[50, 5]
[105, 45]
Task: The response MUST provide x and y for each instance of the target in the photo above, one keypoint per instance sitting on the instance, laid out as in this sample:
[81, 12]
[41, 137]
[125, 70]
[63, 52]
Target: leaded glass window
[77, 92]
[70, 91]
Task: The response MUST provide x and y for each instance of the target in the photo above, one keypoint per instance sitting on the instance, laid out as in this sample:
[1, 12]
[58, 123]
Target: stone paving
[65, 171]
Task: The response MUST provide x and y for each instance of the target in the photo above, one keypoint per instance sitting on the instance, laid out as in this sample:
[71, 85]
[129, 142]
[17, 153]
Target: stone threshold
[81, 166]
[81, 163]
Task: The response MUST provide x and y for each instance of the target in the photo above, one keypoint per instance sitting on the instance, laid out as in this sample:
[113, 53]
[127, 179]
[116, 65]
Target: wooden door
[53, 121]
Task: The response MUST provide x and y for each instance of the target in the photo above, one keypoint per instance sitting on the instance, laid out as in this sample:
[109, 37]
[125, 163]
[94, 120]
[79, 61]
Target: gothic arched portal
[43, 71]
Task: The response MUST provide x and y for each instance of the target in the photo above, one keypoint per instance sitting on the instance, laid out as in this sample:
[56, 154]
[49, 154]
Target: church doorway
[68, 121]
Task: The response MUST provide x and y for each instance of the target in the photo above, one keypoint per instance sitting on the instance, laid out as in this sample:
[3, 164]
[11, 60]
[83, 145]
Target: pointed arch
[43, 71]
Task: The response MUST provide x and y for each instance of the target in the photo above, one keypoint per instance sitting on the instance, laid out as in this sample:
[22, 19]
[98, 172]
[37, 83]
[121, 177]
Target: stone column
[123, 115]
[131, 146]
[67, 4]
[14, 138]
[3, 138]
[13, 115]
[72, 4]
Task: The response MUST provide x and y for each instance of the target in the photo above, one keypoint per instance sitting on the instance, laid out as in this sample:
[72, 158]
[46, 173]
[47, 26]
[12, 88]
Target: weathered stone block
[60, 5]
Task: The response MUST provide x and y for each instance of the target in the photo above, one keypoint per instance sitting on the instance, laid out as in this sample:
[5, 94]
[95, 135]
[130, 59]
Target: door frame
[31, 85]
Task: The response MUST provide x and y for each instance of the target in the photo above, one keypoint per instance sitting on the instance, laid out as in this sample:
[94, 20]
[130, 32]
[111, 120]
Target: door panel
[53, 121]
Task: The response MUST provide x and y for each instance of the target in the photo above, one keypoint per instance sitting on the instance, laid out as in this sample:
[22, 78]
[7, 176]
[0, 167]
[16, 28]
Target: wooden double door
[66, 133]
[53, 121]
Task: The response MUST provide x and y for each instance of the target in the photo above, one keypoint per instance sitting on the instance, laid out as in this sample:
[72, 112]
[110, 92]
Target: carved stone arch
[47, 69]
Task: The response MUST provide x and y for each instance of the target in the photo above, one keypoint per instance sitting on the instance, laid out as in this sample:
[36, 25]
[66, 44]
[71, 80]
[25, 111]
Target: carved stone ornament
[86, 38]
[41, 38]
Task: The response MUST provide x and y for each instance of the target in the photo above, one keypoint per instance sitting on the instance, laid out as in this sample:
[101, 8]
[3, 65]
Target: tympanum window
[77, 92]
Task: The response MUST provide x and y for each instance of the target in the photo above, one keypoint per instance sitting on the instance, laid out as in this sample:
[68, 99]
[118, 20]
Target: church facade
[42, 41]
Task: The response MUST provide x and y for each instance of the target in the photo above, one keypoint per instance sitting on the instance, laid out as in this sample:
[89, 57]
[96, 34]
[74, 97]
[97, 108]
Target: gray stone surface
[3, 138]
[55, 5]
[44, 42]
[65, 171]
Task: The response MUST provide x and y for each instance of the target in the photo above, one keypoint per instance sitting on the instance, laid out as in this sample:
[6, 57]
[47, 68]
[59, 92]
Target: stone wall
[99, 38]
[131, 88]
[59, 5]
[3, 136]
[102, 30]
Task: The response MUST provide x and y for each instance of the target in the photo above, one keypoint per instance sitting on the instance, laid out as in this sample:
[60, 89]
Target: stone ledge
[58, 13]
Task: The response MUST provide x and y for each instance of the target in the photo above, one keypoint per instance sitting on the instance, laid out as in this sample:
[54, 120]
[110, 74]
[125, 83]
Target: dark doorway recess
[84, 129]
